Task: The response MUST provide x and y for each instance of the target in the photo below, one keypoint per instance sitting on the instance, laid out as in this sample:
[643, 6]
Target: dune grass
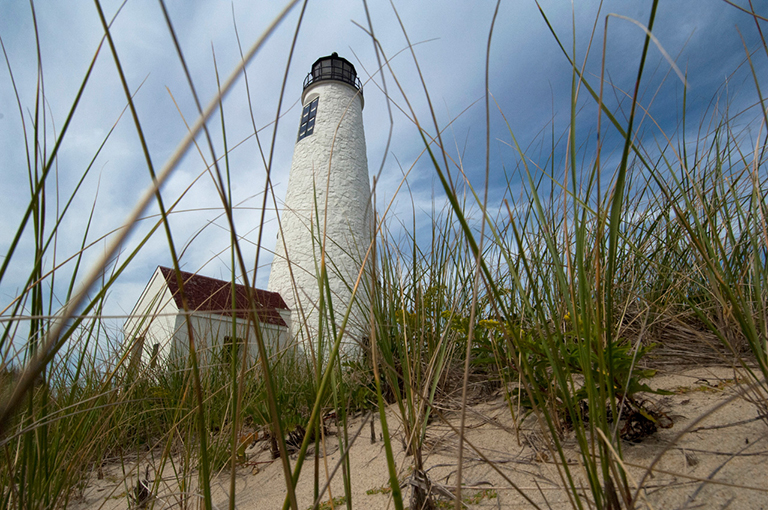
[559, 297]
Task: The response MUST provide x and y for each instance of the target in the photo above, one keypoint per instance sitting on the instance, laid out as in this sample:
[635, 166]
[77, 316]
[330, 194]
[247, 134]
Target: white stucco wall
[342, 193]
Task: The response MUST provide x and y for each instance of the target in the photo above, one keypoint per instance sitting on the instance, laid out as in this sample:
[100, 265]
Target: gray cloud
[529, 78]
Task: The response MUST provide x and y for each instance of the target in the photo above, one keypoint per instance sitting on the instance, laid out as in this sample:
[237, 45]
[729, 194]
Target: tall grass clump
[579, 286]
[71, 396]
[563, 297]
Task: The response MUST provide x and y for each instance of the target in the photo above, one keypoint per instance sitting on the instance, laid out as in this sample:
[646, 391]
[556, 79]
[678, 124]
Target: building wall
[340, 193]
[152, 320]
[210, 331]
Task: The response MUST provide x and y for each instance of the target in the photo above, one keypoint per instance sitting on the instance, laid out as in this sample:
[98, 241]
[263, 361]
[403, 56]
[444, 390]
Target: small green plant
[384, 489]
[473, 499]
[332, 504]
[360, 388]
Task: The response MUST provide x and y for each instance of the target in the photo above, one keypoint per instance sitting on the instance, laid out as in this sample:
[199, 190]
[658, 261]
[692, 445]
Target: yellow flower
[488, 323]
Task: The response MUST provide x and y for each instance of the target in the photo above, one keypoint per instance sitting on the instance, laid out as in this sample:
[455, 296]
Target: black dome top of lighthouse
[333, 67]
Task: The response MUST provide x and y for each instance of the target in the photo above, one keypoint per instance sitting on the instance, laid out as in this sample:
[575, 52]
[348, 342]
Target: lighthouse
[326, 216]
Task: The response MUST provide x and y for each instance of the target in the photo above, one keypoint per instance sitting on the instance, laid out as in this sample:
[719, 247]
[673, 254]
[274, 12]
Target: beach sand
[714, 456]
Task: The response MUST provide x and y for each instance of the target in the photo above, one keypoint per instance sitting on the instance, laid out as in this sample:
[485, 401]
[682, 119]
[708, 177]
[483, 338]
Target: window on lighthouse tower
[308, 119]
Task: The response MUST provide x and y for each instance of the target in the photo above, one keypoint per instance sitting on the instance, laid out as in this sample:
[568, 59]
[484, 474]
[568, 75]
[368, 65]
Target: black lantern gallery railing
[336, 68]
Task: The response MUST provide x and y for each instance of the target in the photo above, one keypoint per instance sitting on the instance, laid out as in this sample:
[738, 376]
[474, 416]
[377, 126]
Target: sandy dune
[720, 462]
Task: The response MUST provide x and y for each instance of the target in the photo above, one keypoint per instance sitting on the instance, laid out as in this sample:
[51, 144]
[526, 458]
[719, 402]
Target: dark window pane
[308, 115]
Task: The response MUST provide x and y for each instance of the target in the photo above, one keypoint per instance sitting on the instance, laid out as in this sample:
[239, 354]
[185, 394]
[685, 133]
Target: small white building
[158, 326]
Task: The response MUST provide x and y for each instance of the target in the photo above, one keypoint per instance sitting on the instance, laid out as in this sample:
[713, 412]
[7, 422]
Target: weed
[330, 505]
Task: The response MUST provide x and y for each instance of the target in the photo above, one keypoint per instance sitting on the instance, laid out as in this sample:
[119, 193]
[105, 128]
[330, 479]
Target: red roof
[214, 296]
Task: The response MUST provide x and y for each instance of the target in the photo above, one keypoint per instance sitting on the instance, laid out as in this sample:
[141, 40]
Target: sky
[529, 81]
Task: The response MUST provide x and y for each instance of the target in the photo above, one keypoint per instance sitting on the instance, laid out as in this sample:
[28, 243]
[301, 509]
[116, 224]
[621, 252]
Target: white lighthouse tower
[327, 206]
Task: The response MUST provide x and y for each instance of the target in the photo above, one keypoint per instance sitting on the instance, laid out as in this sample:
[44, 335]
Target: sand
[721, 460]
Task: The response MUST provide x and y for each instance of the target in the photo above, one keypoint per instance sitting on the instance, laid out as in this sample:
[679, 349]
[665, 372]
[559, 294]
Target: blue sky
[529, 78]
